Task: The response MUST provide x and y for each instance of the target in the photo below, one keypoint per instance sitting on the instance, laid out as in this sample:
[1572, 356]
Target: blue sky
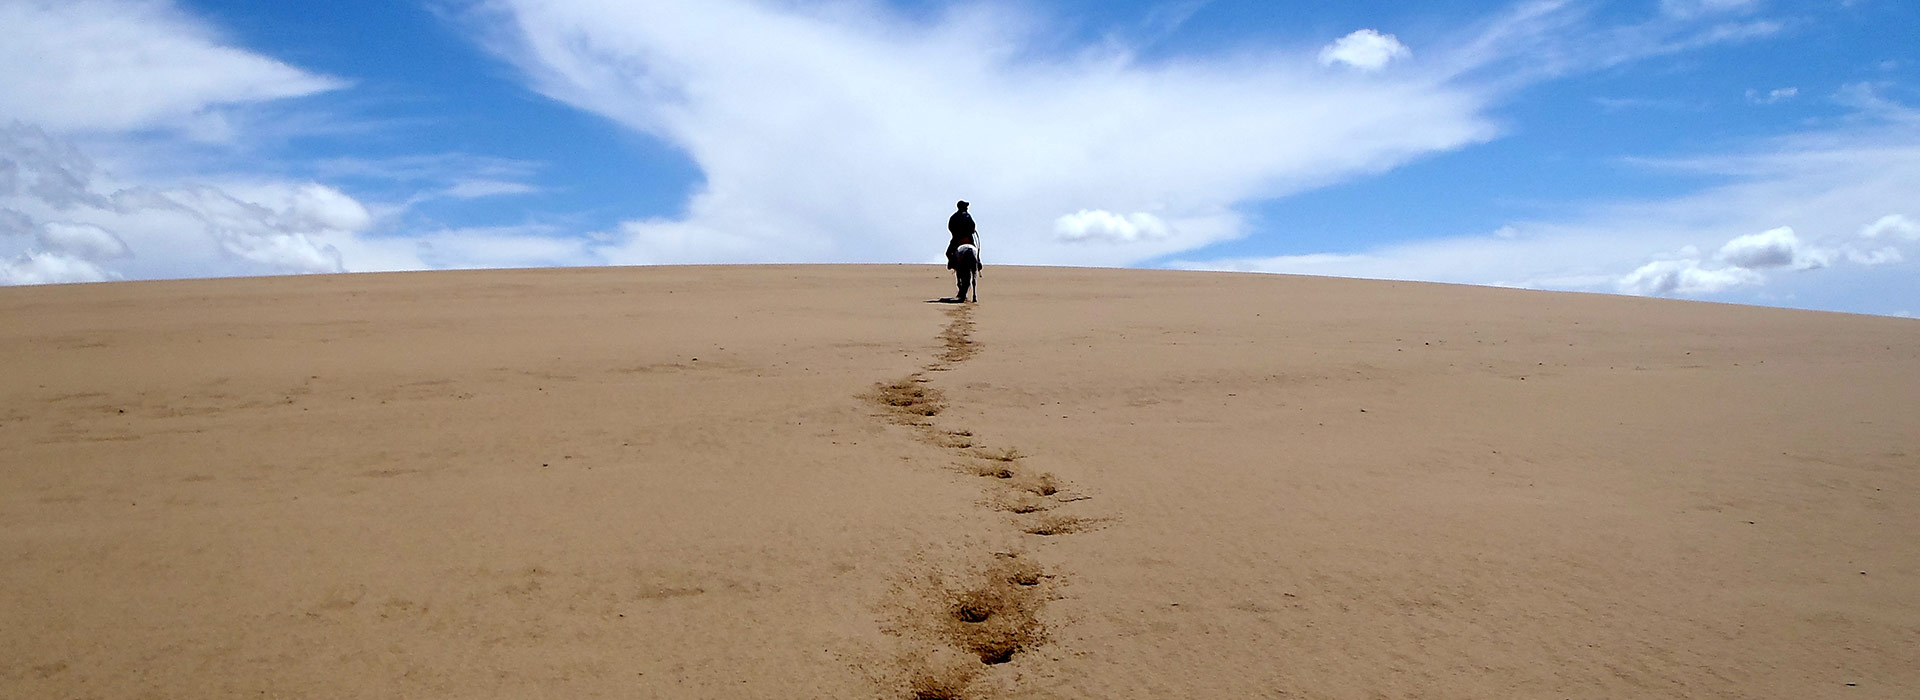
[1749, 151]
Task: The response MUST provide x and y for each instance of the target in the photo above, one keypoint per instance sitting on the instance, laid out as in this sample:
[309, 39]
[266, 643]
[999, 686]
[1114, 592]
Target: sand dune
[809, 482]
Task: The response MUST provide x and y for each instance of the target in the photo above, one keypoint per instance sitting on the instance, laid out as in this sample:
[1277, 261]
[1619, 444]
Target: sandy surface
[787, 482]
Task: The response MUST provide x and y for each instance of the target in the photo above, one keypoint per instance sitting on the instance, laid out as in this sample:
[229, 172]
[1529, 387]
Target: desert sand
[781, 482]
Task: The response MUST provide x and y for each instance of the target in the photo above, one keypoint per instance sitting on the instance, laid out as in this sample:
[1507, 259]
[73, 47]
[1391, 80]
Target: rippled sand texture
[810, 482]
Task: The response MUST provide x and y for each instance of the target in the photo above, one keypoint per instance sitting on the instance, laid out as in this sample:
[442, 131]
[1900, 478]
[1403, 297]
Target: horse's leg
[973, 273]
[963, 271]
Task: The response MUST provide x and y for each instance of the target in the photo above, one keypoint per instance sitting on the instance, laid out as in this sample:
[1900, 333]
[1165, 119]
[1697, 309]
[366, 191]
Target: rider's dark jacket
[960, 226]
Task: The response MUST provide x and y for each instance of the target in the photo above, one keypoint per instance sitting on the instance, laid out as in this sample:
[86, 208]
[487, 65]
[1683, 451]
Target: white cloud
[834, 132]
[84, 241]
[275, 226]
[1102, 225]
[124, 71]
[1686, 277]
[44, 267]
[531, 245]
[142, 85]
[431, 168]
[1896, 226]
[1878, 256]
[839, 132]
[844, 132]
[114, 65]
[1616, 104]
[47, 169]
[282, 205]
[505, 246]
[1366, 49]
[443, 176]
[475, 189]
[1744, 256]
[1544, 39]
[285, 252]
[1772, 96]
[1694, 8]
[88, 226]
[1804, 194]
[13, 223]
[1777, 247]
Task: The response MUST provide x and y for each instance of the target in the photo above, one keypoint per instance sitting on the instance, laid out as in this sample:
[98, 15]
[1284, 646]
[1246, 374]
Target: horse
[966, 270]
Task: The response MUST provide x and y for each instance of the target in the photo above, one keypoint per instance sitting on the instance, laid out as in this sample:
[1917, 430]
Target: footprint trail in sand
[960, 629]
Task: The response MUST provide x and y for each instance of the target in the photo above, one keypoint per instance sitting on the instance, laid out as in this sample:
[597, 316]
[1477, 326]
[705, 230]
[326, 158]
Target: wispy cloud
[841, 132]
[116, 65]
[1617, 104]
[114, 72]
[430, 177]
[427, 168]
[1772, 96]
[1892, 227]
[1835, 203]
[526, 245]
[86, 226]
[1696, 8]
[475, 189]
[1540, 40]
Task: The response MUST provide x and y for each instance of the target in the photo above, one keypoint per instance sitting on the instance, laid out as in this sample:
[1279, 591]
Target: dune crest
[804, 481]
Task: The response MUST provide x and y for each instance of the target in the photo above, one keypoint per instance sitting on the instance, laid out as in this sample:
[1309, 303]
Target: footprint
[997, 471]
[1043, 484]
[1051, 524]
[993, 618]
[1010, 454]
[1025, 503]
[907, 397]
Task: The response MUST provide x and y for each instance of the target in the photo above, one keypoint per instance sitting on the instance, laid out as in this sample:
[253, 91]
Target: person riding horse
[963, 254]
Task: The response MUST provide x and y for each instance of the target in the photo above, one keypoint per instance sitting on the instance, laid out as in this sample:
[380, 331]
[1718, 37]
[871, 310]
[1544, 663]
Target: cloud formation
[1892, 227]
[121, 76]
[1695, 8]
[1101, 225]
[114, 65]
[1685, 277]
[840, 132]
[69, 222]
[48, 267]
[1816, 208]
[1366, 49]
[1777, 247]
[84, 241]
[1741, 262]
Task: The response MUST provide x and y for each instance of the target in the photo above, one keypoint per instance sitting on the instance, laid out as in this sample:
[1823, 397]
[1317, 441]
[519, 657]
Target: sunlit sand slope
[810, 482]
